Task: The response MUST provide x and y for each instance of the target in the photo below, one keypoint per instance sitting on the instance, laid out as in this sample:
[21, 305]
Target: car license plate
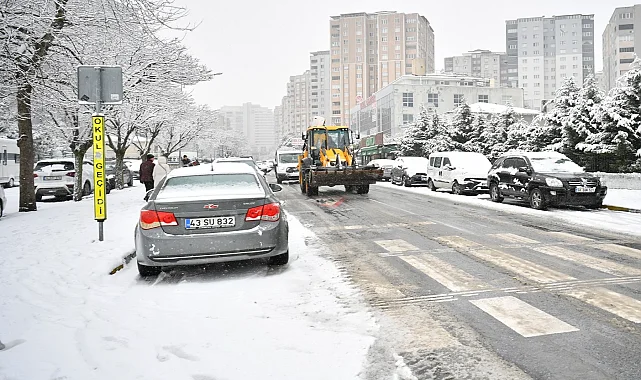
[216, 222]
[52, 178]
[584, 189]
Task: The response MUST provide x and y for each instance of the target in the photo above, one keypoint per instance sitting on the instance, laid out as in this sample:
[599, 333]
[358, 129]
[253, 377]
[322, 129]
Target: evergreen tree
[438, 137]
[476, 143]
[551, 135]
[462, 128]
[415, 136]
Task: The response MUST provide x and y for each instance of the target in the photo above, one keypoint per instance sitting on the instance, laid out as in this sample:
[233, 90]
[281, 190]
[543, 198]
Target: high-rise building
[480, 64]
[544, 51]
[295, 105]
[620, 42]
[320, 84]
[256, 123]
[371, 50]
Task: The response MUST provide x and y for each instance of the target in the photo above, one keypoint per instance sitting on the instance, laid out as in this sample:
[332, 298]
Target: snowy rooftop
[499, 108]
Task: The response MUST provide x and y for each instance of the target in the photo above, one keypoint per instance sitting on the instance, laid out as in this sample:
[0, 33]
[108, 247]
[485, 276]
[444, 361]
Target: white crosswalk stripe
[522, 317]
[615, 303]
[446, 274]
[620, 249]
[528, 269]
[602, 265]
[569, 237]
[396, 245]
[512, 238]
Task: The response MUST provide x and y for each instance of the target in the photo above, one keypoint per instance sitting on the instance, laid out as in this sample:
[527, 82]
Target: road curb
[624, 209]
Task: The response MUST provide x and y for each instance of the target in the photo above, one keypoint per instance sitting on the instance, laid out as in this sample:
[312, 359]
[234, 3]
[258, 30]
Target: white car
[460, 172]
[56, 177]
[3, 201]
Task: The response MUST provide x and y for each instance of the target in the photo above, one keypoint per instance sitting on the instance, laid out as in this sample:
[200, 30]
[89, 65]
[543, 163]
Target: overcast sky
[259, 44]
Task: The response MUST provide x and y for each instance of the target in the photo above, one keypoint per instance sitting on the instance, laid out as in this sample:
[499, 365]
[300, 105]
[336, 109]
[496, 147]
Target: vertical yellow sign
[99, 178]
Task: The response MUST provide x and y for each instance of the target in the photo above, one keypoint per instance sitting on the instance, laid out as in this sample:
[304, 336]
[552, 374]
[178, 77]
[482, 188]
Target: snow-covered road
[62, 316]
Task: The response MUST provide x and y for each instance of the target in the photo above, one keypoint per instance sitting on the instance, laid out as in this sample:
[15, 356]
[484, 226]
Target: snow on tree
[438, 136]
[415, 136]
[462, 126]
[551, 134]
[619, 134]
[476, 142]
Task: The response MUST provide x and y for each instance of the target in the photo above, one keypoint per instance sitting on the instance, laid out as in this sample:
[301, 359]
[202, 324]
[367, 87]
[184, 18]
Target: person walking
[161, 169]
[186, 161]
[147, 172]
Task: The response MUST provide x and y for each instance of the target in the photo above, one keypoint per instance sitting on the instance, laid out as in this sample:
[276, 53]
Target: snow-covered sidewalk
[62, 316]
[615, 221]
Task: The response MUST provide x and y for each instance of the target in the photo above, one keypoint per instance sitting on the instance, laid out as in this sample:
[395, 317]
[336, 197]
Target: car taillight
[269, 213]
[35, 175]
[71, 174]
[151, 219]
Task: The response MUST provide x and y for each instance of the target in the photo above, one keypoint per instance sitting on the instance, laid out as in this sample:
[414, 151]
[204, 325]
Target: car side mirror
[148, 194]
[275, 187]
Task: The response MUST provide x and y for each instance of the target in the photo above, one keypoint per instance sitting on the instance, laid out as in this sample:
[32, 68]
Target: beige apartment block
[620, 42]
[370, 50]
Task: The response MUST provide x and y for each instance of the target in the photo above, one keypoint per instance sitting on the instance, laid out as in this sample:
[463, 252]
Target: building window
[432, 99]
[587, 34]
[408, 118]
[626, 60]
[524, 77]
[626, 27]
[587, 26]
[626, 50]
[408, 99]
[458, 99]
[484, 98]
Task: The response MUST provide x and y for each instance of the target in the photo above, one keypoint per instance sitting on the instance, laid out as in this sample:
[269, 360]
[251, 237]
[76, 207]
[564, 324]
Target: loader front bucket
[347, 176]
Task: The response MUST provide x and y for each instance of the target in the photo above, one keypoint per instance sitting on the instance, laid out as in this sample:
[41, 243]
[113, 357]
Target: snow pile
[630, 181]
[64, 317]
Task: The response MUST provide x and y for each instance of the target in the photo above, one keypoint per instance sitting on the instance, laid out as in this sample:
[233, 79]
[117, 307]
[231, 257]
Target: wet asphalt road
[464, 291]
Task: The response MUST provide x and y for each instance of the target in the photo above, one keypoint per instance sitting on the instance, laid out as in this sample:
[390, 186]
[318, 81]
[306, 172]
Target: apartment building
[480, 64]
[620, 42]
[256, 123]
[544, 51]
[320, 84]
[370, 50]
[391, 109]
[295, 106]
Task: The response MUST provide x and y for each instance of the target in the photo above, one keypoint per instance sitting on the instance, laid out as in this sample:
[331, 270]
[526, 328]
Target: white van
[286, 165]
[9, 162]
[462, 172]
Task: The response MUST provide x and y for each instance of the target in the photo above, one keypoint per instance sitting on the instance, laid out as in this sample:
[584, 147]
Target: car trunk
[54, 173]
[209, 216]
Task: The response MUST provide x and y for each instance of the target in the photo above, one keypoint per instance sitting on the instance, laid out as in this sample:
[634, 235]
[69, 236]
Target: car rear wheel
[281, 259]
[12, 183]
[406, 181]
[278, 180]
[456, 188]
[146, 271]
[86, 189]
[495, 193]
[131, 181]
[537, 201]
[38, 197]
[430, 185]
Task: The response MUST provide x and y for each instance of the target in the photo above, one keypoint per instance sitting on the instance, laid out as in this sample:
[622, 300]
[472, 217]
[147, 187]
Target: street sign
[105, 80]
[99, 178]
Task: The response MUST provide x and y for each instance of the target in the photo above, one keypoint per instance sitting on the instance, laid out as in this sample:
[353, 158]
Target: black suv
[544, 179]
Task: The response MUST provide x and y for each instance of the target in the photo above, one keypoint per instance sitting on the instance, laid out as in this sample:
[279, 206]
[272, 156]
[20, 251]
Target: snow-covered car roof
[62, 159]
[411, 158]
[215, 168]
[544, 154]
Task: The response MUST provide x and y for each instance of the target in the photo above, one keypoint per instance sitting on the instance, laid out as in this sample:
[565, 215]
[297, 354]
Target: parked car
[461, 172]
[410, 171]
[110, 170]
[56, 177]
[384, 164]
[286, 165]
[3, 201]
[544, 179]
[134, 167]
[197, 216]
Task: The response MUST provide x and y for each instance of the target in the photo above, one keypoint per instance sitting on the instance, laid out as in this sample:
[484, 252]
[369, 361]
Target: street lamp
[214, 74]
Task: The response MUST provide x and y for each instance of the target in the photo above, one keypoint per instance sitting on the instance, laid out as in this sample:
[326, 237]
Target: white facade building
[257, 125]
[397, 105]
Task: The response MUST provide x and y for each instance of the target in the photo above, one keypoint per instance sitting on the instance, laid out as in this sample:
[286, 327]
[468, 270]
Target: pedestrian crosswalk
[504, 304]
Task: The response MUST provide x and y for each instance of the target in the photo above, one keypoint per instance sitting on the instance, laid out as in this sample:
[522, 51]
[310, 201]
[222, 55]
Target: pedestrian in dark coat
[147, 172]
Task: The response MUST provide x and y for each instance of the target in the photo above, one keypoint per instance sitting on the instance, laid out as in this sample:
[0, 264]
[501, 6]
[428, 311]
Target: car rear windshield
[290, 158]
[248, 162]
[55, 166]
[554, 165]
[210, 185]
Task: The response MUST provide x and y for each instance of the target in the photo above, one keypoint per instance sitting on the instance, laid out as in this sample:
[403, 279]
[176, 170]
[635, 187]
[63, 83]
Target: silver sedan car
[209, 214]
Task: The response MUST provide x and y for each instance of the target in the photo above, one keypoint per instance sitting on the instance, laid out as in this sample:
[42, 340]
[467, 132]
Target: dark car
[544, 179]
[409, 171]
[110, 170]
